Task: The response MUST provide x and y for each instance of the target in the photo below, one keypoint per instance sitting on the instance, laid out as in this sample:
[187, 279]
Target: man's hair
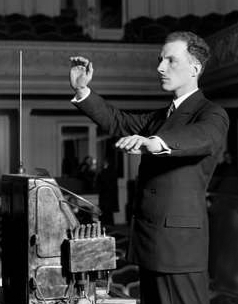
[196, 46]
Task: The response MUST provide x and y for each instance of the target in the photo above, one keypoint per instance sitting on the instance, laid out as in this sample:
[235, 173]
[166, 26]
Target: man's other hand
[137, 144]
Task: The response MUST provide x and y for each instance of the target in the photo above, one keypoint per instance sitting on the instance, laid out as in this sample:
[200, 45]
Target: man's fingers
[79, 58]
[79, 61]
[90, 68]
[138, 143]
[129, 142]
[121, 143]
[134, 143]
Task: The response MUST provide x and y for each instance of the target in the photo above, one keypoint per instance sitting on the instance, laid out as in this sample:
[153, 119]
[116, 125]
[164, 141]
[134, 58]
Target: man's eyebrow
[166, 57]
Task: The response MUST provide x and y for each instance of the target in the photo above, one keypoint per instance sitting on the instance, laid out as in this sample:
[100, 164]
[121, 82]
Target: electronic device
[48, 256]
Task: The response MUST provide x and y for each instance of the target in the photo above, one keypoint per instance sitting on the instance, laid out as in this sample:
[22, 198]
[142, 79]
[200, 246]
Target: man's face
[178, 72]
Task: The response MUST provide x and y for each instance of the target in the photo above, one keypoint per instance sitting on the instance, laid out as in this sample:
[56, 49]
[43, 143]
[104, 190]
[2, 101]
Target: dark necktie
[170, 110]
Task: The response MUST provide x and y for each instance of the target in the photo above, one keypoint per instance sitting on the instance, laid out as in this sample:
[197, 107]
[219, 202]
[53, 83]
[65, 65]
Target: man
[169, 238]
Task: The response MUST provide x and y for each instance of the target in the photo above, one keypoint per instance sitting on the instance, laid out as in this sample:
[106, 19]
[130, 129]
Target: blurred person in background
[108, 192]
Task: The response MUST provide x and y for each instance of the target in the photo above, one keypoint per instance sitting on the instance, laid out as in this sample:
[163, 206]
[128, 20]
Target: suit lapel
[186, 110]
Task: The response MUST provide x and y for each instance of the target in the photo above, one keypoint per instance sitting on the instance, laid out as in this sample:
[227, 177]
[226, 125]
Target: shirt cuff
[161, 143]
[81, 95]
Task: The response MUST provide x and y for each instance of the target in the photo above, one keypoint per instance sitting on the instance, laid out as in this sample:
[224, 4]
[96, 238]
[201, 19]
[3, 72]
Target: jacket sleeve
[112, 120]
[202, 137]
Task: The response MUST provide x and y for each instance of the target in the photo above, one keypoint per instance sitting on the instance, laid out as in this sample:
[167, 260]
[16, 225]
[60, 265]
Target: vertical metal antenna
[21, 169]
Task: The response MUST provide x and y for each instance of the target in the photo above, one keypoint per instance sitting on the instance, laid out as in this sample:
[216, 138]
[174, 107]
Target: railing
[223, 66]
[120, 68]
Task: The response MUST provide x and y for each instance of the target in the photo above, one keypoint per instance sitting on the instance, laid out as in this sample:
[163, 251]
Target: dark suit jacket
[170, 225]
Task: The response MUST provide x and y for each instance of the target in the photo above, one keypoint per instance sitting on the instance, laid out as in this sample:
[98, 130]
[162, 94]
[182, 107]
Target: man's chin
[166, 87]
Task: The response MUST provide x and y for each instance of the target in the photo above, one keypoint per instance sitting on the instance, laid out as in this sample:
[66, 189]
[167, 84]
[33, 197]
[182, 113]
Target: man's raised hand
[81, 72]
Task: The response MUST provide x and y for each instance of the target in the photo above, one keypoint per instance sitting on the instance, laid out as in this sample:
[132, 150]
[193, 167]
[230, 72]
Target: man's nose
[161, 67]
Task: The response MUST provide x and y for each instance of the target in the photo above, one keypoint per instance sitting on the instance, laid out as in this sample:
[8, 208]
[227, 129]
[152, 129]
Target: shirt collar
[177, 102]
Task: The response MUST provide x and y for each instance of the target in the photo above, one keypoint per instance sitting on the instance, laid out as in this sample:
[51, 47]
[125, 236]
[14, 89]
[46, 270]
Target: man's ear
[197, 67]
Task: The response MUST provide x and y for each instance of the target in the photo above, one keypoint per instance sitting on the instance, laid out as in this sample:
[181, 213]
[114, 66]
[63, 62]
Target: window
[105, 19]
[110, 14]
[78, 156]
